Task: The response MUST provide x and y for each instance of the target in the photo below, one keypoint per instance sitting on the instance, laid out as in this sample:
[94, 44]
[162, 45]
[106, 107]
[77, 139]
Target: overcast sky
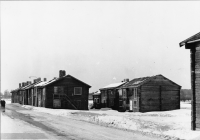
[97, 42]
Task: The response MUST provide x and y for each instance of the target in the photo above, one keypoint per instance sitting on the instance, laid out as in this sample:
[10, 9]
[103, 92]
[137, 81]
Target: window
[135, 104]
[120, 92]
[58, 90]
[97, 100]
[135, 93]
[77, 90]
[124, 93]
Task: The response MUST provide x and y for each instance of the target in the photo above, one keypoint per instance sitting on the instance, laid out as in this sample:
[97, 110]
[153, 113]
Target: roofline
[63, 78]
[80, 81]
[137, 85]
[113, 87]
[30, 86]
[187, 40]
[150, 78]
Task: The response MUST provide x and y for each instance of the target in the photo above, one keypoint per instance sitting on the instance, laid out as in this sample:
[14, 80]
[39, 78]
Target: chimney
[60, 73]
[126, 80]
[29, 82]
[20, 85]
[35, 80]
[23, 84]
[38, 79]
[45, 79]
[63, 73]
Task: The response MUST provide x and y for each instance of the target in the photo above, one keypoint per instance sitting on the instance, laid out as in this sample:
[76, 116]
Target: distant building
[193, 43]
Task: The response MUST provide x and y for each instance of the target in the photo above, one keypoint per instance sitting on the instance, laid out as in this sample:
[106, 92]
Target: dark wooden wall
[159, 94]
[195, 83]
[69, 83]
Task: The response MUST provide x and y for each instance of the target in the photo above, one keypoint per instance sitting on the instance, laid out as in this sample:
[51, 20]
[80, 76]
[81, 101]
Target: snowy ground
[17, 129]
[174, 124]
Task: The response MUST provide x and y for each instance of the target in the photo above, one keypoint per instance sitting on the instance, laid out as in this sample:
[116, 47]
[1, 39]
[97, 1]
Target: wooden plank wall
[69, 83]
[150, 100]
[160, 94]
[197, 84]
[170, 98]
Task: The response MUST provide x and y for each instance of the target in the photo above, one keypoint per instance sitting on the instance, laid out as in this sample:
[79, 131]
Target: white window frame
[79, 88]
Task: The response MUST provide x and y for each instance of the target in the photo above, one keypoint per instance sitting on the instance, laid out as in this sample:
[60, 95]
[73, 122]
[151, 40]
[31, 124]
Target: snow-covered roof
[97, 93]
[114, 85]
[136, 81]
[40, 84]
[49, 82]
[25, 87]
[32, 85]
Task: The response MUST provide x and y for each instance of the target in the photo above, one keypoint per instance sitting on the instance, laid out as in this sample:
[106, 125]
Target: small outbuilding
[193, 43]
[154, 93]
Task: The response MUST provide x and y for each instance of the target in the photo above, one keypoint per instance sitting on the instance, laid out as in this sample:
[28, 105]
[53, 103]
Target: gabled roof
[58, 79]
[114, 85]
[136, 82]
[191, 39]
[140, 81]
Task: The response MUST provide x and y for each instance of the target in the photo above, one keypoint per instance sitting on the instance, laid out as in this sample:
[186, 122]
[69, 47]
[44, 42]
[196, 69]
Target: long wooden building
[65, 92]
[193, 43]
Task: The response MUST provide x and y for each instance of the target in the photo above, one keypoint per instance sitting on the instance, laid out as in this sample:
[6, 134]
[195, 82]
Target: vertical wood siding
[197, 84]
[80, 101]
[159, 94]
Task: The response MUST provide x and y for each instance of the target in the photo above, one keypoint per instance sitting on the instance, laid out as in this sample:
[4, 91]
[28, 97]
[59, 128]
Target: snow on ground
[8, 101]
[16, 129]
[166, 124]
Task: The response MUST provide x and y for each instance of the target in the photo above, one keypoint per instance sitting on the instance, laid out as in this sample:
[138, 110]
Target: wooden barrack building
[193, 43]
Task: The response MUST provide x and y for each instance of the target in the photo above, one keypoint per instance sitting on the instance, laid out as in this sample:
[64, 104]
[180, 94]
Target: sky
[98, 42]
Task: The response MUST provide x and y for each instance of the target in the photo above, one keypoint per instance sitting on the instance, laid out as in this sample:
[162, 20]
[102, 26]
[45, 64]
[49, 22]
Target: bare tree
[7, 94]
